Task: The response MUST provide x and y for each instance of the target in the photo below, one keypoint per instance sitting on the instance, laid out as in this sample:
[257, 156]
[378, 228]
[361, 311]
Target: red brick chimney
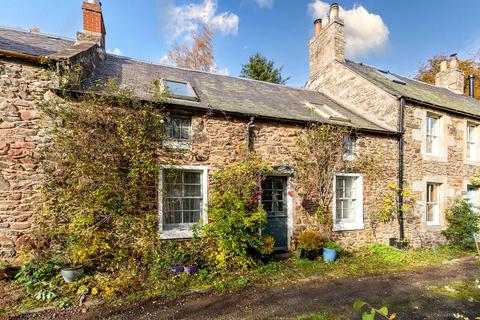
[93, 25]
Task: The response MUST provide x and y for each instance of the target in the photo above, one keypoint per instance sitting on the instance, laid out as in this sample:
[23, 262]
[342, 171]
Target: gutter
[23, 56]
[401, 143]
[249, 134]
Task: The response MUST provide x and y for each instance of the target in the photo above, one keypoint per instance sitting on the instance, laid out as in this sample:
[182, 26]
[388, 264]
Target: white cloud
[264, 3]
[116, 51]
[365, 32]
[185, 19]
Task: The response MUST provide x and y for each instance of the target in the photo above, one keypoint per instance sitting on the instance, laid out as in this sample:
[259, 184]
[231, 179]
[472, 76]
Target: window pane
[430, 217]
[346, 193]
[183, 202]
[178, 128]
[191, 177]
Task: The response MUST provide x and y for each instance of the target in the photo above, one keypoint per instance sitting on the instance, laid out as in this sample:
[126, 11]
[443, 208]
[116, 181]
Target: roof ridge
[212, 73]
[460, 95]
[53, 36]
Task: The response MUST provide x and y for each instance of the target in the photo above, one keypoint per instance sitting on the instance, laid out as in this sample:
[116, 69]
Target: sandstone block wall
[21, 138]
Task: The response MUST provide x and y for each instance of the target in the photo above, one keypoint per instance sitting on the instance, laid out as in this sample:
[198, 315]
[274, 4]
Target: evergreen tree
[259, 68]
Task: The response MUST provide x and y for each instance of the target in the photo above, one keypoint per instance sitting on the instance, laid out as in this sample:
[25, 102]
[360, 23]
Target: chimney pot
[334, 11]
[454, 61]
[318, 26]
[443, 65]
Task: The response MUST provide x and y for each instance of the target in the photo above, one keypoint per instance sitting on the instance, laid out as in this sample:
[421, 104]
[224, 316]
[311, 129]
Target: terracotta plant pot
[71, 274]
[191, 269]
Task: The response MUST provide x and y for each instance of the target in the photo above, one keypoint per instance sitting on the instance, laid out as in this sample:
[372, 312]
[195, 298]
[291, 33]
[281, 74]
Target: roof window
[179, 90]
[391, 76]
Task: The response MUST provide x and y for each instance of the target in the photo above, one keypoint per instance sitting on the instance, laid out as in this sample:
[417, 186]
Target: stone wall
[217, 140]
[350, 89]
[21, 138]
[451, 169]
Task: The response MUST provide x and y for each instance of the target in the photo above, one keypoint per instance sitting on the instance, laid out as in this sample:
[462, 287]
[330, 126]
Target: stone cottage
[438, 126]
[418, 130]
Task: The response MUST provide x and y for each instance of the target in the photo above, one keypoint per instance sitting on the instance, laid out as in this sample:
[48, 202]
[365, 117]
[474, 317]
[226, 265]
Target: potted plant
[266, 250]
[72, 271]
[310, 243]
[330, 251]
[190, 266]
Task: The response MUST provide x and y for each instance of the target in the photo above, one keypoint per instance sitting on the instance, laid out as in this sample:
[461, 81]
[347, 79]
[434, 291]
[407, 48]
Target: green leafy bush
[232, 238]
[333, 245]
[40, 277]
[462, 224]
[310, 240]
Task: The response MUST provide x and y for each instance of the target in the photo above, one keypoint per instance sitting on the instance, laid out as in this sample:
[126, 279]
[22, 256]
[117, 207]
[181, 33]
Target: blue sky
[398, 35]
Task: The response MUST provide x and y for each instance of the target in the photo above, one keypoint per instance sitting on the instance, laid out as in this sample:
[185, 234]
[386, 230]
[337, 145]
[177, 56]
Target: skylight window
[327, 112]
[179, 90]
[391, 77]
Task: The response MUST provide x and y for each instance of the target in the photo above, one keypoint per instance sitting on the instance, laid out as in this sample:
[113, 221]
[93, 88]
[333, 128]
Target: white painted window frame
[358, 223]
[434, 133]
[436, 212]
[472, 145]
[182, 233]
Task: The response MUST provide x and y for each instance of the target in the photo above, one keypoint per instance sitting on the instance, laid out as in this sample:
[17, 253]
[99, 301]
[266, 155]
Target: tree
[259, 68]
[427, 71]
[199, 55]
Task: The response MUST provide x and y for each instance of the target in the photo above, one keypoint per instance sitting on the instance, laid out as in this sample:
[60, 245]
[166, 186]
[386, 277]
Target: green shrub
[333, 245]
[462, 224]
[310, 240]
[231, 238]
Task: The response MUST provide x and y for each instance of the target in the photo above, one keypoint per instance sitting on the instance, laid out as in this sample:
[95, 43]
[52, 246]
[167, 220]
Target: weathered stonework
[21, 138]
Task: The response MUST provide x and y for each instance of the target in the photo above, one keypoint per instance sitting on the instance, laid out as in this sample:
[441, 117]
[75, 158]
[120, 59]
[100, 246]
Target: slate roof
[215, 92]
[418, 91]
[230, 94]
[32, 43]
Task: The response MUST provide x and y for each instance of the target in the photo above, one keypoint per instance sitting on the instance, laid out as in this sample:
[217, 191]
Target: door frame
[289, 208]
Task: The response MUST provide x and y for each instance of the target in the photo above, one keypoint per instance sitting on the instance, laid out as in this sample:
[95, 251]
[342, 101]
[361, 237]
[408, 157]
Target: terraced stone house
[426, 136]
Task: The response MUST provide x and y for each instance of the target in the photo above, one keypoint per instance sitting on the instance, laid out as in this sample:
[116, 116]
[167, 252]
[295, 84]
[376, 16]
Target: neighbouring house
[439, 125]
[426, 136]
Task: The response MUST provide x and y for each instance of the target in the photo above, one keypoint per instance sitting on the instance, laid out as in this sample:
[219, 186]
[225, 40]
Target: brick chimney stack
[328, 42]
[450, 75]
[93, 25]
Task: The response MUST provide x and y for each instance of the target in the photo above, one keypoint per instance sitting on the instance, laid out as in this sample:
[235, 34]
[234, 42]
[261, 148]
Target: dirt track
[404, 292]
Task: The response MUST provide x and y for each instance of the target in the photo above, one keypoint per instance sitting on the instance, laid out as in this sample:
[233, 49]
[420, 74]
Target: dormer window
[179, 90]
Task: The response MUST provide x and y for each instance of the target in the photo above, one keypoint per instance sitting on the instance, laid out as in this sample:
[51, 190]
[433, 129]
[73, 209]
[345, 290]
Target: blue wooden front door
[274, 202]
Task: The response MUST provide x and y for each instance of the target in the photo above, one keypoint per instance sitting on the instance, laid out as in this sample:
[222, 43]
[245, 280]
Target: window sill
[348, 227]
[472, 162]
[177, 145]
[349, 157]
[176, 234]
[434, 157]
